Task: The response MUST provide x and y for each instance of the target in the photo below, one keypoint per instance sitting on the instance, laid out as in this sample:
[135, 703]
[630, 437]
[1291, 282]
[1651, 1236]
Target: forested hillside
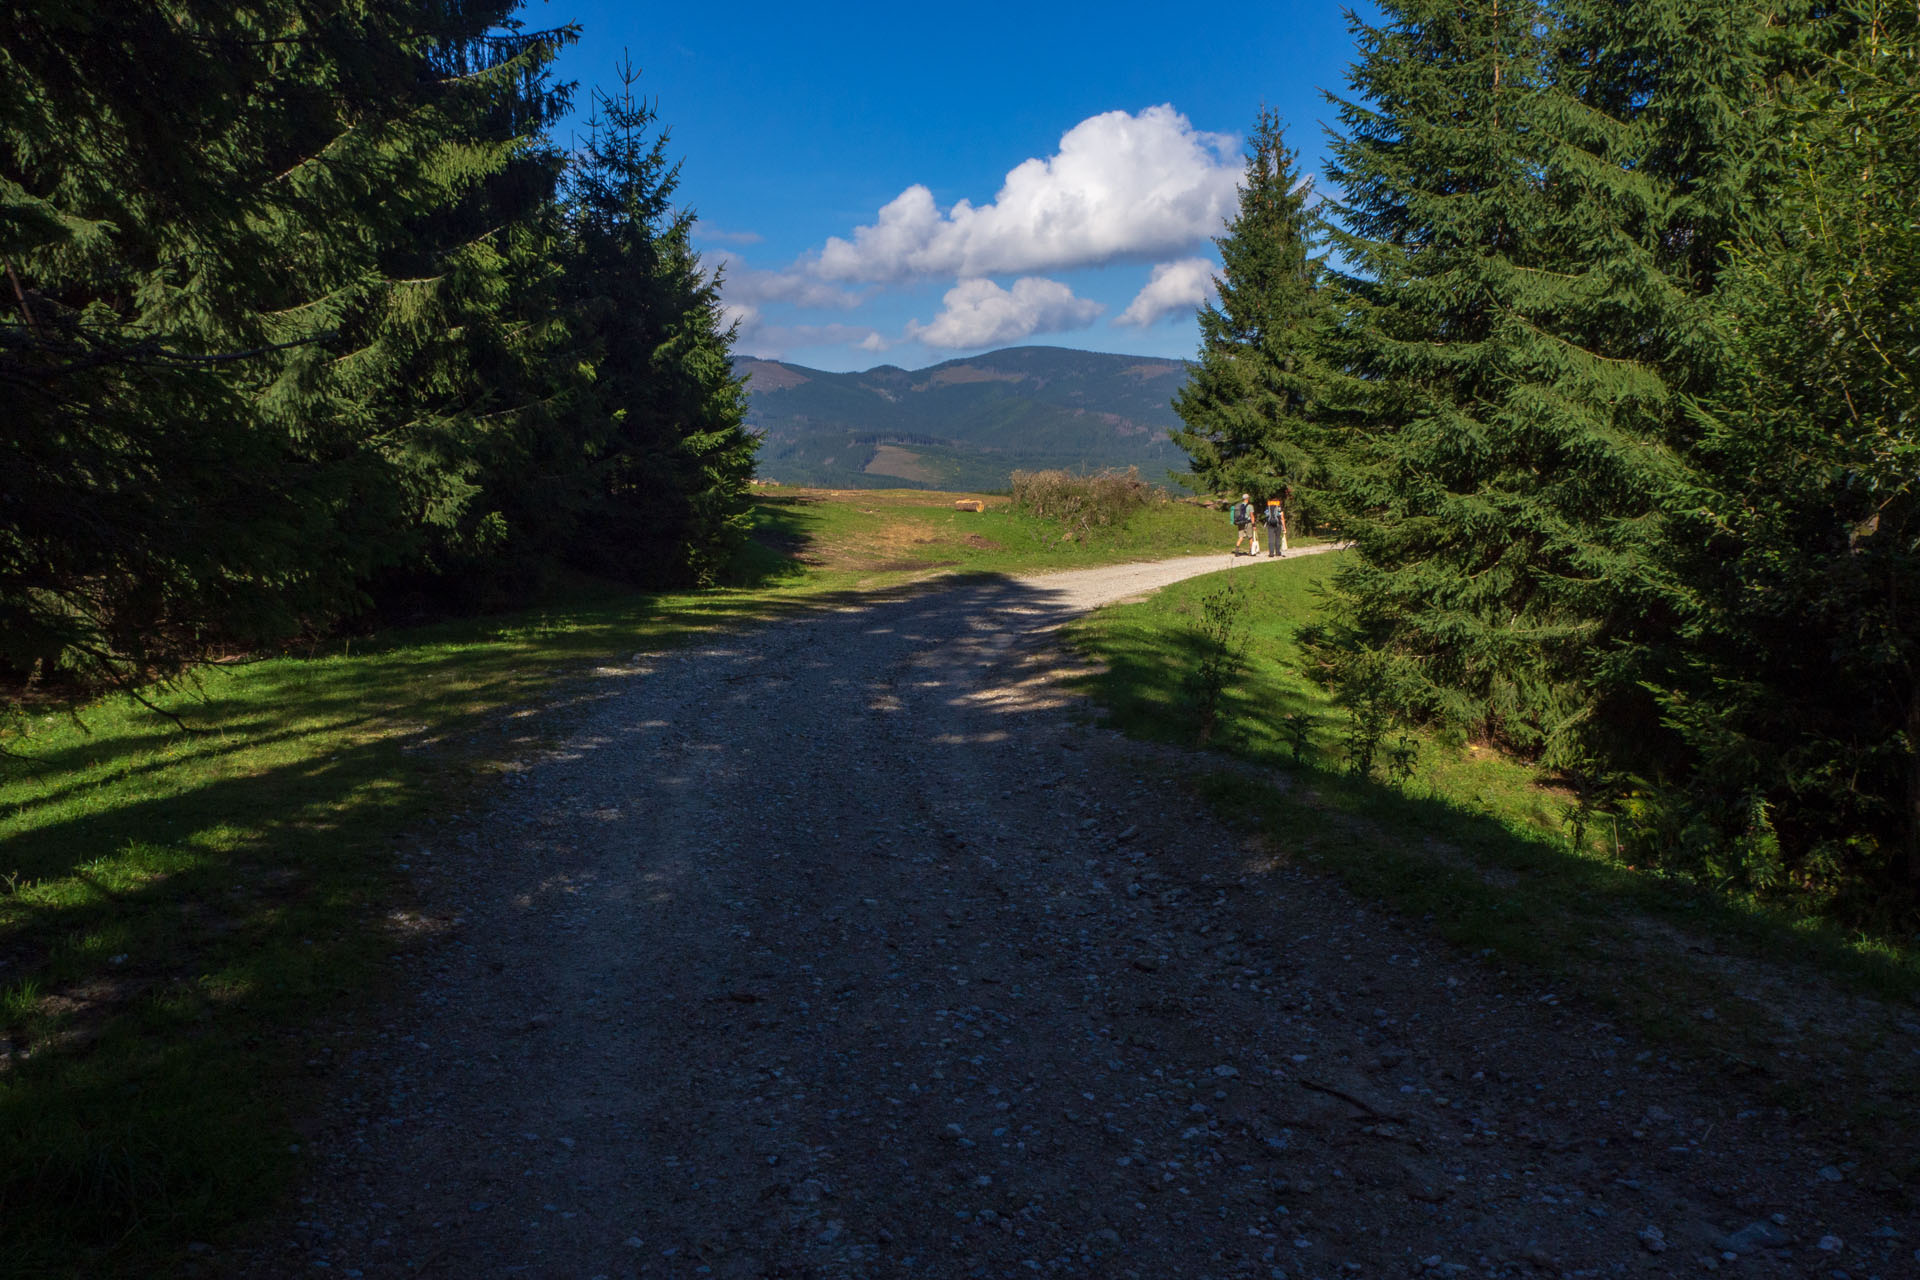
[308, 316]
[965, 424]
[1603, 350]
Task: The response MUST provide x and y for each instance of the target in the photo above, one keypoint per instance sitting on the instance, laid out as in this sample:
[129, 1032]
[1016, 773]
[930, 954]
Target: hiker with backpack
[1241, 513]
[1277, 523]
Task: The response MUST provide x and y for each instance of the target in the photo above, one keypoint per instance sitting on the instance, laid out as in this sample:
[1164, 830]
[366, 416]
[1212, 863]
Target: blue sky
[903, 186]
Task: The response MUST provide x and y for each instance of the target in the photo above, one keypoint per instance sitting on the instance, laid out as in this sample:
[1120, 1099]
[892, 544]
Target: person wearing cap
[1242, 522]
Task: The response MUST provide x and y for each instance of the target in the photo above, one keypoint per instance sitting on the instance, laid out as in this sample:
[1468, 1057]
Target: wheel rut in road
[844, 947]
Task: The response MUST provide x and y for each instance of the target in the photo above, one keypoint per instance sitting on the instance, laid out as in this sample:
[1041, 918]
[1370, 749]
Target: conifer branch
[21, 296]
[93, 355]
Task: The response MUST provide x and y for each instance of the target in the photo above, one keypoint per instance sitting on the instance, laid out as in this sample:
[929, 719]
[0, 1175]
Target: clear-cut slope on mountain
[965, 424]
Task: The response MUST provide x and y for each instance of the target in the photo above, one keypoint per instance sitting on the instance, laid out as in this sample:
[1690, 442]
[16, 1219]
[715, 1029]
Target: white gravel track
[1079, 590]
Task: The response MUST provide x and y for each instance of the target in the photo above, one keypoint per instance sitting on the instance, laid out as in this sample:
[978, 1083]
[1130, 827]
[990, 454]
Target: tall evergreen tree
[1249, 407]
[474, 352]
[253, 268]
[1535, 194]
[1442, 232]
[670, 453]
[1796, 682]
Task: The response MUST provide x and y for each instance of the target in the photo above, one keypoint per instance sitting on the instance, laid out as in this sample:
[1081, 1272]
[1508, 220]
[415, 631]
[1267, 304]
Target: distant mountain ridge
[965, 424]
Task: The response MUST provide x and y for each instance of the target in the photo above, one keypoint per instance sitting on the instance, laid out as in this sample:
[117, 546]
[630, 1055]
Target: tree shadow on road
[1500, 878]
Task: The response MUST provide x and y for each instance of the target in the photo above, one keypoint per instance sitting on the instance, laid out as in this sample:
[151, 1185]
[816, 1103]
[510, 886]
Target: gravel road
[842, 947]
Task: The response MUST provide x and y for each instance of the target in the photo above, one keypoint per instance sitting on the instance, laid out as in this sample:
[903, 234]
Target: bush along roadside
[1081, 504]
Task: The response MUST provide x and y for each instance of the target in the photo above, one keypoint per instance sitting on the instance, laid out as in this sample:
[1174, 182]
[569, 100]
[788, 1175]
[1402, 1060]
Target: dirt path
[1078, 590]
[834, 949]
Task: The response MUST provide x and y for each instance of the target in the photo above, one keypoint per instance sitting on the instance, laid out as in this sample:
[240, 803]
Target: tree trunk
[1913, 787]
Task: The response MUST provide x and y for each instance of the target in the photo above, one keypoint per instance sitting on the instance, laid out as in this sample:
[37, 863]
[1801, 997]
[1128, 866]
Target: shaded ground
[834, 948]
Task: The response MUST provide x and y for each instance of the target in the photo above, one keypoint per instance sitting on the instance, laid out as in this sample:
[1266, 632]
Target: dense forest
[308, 318]
[1601, 345]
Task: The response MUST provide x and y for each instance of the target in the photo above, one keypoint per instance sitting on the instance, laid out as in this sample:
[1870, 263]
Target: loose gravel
[842, 947]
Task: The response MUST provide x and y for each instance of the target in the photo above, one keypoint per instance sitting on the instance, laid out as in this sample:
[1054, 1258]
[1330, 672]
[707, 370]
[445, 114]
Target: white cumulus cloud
[1174, 287]
[705, 233]
[1120, 187]
[774, 341]
[747, 286]
[979, 313]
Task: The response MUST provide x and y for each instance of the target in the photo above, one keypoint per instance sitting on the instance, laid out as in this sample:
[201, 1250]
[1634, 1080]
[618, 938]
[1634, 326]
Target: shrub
[1082, 503]
[1374, 697]
[1221, 640]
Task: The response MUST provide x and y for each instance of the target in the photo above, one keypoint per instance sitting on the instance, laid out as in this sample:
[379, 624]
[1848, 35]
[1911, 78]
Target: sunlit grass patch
[905, 531]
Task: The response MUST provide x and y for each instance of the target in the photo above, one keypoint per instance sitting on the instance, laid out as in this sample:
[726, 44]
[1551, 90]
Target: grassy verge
[1479, 846]
[179, 910]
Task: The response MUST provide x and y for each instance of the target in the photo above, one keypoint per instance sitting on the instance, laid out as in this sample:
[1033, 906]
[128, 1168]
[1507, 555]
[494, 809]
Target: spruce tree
[141, 495]
[1795, 682]
[1441, 231]
[664, 428]
[253, 261]
[1535, 199]
[467, 347]
[1249, 405]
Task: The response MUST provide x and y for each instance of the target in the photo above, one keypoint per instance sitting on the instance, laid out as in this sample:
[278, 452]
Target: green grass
[185, 916]
[858, 533]
[1478, 845]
